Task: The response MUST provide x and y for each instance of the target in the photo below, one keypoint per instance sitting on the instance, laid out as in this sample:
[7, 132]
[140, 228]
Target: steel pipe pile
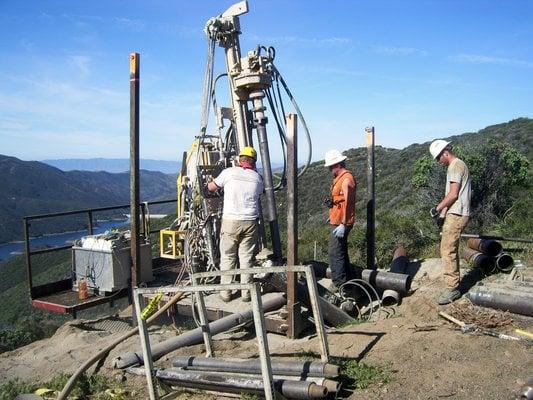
[514, 298]
[285, 367]
[236, 384]
[195, 336]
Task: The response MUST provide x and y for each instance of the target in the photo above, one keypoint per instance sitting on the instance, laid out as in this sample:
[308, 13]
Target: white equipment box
[104, 262]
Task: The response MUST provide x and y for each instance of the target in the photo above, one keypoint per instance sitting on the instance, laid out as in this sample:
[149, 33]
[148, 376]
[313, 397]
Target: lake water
[8, 250]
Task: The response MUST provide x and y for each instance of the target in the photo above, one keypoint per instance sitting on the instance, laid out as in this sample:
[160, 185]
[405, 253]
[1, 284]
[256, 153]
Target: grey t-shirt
[458, 172]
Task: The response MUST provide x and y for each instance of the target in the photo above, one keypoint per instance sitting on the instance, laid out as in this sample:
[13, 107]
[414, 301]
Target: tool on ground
[467, 328]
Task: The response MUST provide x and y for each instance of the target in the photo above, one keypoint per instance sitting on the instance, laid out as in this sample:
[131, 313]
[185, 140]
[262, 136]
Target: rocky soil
[425, 356]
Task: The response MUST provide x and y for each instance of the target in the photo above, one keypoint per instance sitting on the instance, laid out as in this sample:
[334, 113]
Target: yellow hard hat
[249, 152]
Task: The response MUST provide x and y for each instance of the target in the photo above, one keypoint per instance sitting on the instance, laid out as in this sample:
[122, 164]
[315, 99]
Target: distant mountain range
[32, 187]
[113, 165]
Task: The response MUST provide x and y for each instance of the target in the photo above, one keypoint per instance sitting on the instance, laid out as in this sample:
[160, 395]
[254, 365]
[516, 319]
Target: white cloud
[482, 59]
[401, 51]
[303, 41]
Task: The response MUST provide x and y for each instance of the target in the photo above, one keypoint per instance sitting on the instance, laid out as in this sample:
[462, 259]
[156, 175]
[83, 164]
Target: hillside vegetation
[31, 187]
[401, 209]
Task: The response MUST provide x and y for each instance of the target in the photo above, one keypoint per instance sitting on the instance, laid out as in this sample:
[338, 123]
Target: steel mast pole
[134, 171]
[293, 306]
[370, 201]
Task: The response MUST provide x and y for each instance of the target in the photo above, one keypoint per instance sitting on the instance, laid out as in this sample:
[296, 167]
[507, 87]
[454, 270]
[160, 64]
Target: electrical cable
[302, 119]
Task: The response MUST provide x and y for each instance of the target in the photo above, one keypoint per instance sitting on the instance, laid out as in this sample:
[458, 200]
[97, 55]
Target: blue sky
[415, 70]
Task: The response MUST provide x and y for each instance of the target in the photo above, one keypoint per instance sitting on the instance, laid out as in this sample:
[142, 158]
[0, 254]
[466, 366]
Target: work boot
[448, 296]
[245, 295]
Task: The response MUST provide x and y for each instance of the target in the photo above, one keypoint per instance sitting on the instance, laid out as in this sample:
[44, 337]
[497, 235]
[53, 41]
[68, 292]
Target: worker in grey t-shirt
[243, 187]
[455, 208]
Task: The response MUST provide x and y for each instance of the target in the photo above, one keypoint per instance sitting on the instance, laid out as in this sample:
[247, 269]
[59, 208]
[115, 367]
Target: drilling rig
[253, 82]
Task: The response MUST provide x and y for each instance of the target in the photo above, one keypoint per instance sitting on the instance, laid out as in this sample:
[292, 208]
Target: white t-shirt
[242, 191]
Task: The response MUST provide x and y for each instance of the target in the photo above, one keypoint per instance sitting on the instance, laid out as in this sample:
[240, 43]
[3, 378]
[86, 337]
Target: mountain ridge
[32, 187]
[113, 165]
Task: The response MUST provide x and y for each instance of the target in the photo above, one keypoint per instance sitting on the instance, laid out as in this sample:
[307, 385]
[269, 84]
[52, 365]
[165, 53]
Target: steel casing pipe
[294, 367]
[387, 280]
[195, 336]
[399, 265]
[236, 384]
[488, 247]
[502, 299]
[479, 260]
[505, 262]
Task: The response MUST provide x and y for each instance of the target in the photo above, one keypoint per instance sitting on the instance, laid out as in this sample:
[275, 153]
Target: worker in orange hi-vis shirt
[341, 215]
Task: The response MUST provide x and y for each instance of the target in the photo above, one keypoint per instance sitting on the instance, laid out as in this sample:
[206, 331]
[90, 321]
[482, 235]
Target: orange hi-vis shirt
[340, 206]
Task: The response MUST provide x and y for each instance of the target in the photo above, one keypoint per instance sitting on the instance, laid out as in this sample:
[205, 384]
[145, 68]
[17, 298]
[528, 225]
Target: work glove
[440, 222]
[433, 212]
[339, 231]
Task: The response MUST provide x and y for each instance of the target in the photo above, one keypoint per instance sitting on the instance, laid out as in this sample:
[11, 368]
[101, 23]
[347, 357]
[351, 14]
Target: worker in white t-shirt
[243, 187]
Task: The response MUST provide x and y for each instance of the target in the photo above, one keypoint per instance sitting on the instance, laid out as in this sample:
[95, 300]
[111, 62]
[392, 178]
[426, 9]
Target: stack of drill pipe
[314, 371]
[492, 255]
[233, 383]
[195, 336]
[399, 266]
[508, 296]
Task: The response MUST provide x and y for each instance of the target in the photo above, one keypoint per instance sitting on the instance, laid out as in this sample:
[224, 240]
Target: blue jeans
[339, 261]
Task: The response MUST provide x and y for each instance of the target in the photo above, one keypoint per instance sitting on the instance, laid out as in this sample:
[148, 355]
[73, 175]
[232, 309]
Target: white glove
[339, 231]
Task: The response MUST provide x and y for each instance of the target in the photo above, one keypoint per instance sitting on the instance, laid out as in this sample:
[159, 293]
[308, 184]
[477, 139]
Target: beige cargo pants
[238, 241]
[449, 248]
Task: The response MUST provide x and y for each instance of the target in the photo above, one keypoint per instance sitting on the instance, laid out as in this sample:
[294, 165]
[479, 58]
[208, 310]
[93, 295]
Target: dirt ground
[426, 356]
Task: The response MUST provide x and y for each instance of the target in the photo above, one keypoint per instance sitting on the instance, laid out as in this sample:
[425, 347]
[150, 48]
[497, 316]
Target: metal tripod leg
[317, 314]
[145, 343]
[204, 323]
[260, 331]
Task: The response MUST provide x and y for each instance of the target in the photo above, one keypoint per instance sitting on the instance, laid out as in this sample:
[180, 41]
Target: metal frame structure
[259, 319]
[40, 292]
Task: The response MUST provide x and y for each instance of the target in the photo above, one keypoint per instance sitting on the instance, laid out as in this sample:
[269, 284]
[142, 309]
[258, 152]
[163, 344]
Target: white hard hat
[333, 157]
[437, 146]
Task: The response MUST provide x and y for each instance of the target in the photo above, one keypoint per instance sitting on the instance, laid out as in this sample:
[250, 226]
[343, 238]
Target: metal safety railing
[258, 316]
[36, 291]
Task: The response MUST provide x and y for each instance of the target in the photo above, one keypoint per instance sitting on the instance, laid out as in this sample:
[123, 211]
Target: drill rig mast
[195, 233]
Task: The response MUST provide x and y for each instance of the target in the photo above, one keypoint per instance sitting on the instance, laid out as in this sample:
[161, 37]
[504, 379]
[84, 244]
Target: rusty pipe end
[399, 252]
[473, 243]
[331, 385]
[331, 370]
[317, 391]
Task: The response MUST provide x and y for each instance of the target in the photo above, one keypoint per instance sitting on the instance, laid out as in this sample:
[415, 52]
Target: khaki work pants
[238, 241]
[449, 248]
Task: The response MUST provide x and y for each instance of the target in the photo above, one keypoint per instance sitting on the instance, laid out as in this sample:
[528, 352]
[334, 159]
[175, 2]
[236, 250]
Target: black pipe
[236, 384]
[502, 299]
[399, 266]
[505, 262]
[195, 336]
[253, 366]
[387, 280]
